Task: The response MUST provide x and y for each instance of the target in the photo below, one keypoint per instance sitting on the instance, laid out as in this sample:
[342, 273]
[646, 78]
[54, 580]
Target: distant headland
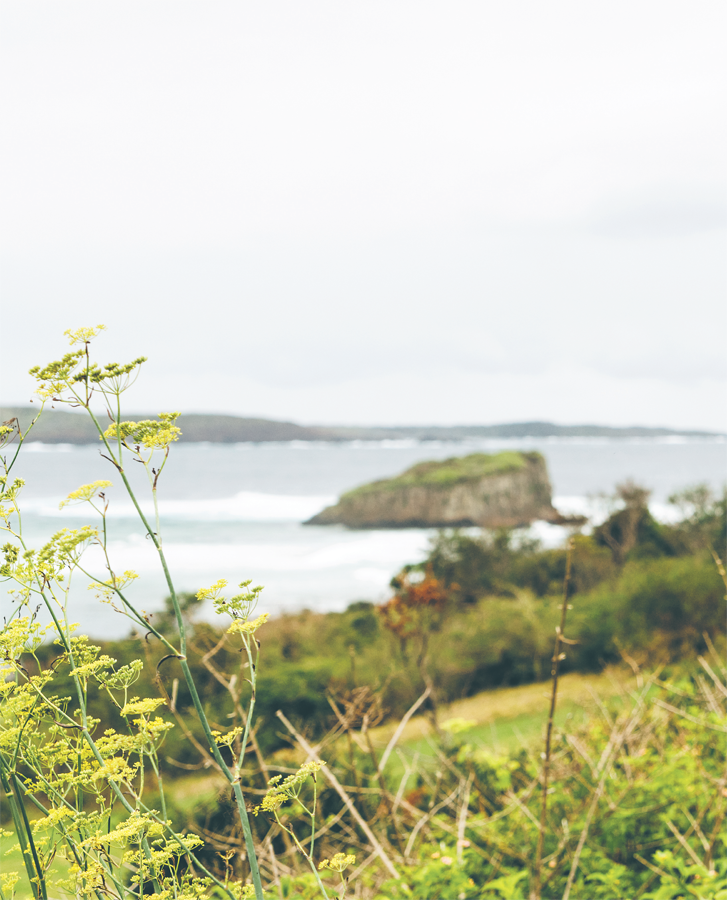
[60, 426]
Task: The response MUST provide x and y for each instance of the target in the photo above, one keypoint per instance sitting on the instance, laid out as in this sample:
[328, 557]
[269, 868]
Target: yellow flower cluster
[85, 657]
[137, 707]
[87, 881]
[116, 768]
[241, 891]
[107, 589]
[240, 626]
[337, 863]
[124, 676]
[83, 335]
[53, 818]
[93, 667]
[136, 826]
[64, 547]
[153, 728]
[226, 740]
[149, 434]
[212, 592]
[112, 742]
[241, 606]
[164, 853]
[10, 492]
[8, 880]
[288, 789]
[85, 492]
[20, 636]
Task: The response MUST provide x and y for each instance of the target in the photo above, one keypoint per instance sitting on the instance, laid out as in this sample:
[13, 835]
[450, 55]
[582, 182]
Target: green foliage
[657, 608]
[632, 788]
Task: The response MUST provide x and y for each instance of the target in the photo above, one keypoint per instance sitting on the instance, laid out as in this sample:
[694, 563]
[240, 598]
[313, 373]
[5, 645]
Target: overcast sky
[390, 211]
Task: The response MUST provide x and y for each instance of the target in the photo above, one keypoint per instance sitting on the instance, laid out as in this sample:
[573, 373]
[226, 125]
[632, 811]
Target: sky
[405, 212]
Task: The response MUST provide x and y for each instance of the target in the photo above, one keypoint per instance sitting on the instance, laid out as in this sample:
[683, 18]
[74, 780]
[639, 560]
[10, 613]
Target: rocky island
[502, 490]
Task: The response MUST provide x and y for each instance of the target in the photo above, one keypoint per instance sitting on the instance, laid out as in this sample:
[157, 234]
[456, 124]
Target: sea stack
[502, 490]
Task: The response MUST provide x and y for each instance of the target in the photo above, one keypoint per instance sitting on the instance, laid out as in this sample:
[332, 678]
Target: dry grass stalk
[462, 818]
[336, 785]
[618, 737]
[401, 726]
[558, 655]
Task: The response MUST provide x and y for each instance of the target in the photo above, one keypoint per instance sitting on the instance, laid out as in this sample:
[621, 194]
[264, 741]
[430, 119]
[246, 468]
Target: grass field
[507, 717]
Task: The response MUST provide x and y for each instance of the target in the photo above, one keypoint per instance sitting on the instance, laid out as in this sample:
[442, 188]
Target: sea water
[235, 511]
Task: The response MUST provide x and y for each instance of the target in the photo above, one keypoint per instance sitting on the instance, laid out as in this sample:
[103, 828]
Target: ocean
[235, 511]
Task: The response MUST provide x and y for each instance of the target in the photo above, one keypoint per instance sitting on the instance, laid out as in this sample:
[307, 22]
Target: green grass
[507, 718]
[445, 473]
[504, 735]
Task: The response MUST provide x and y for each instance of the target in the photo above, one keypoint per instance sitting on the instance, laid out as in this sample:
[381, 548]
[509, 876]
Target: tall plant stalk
[558, 656]
[232, 777]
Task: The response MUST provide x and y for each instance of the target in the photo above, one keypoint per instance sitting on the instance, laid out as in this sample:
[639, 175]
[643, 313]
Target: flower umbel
[240, 626]
[85, 492]
[289, 789]
[83, 335]
[241, 606]
[148, 433]
[138, 707]
[338, 863]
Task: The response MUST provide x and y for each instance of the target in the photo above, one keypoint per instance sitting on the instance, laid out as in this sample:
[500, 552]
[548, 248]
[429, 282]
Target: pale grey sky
[381, 212]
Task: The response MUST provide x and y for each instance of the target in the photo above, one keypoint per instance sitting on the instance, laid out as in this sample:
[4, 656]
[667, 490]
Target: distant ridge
[509, 430]
[60, 426]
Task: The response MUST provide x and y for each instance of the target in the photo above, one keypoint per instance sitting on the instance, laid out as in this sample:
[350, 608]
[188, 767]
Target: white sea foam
[372, 557]
[247, 506]
[40, 447]
[369, 575]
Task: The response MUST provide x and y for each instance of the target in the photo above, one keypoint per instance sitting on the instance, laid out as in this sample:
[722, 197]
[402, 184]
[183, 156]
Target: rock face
[492, 491]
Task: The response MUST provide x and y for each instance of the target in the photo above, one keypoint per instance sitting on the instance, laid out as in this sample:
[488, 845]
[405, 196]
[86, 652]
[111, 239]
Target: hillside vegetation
[479, 613]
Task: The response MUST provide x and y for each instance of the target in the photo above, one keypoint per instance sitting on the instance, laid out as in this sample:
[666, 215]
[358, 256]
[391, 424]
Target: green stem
[298, 844]
[66, 836]
[18, 822]
[40, 883]
[139, 618]
[84, 729]
[251, 708]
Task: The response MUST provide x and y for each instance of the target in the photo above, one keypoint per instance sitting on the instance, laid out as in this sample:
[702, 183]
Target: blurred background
[373, 213]
[366, 214]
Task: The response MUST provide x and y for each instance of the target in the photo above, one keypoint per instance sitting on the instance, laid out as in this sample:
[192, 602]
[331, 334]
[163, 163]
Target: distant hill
[508, 430]
[62, 426]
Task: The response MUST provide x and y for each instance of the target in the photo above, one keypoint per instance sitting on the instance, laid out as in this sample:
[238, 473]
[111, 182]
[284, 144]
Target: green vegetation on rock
[502, 490]
[447, 472]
